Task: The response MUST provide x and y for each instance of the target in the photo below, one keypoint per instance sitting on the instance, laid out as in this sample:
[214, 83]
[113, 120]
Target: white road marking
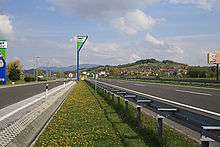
[172, 85]
[121, 82]
[139, 85]
[165, 100]
[193, 92]
[29, 104]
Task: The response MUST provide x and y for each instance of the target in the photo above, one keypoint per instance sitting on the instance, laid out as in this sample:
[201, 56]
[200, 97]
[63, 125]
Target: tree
[14, 70]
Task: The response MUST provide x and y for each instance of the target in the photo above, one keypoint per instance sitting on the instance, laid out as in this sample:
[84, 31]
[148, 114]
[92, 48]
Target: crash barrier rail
[202, 81]
[208, 127]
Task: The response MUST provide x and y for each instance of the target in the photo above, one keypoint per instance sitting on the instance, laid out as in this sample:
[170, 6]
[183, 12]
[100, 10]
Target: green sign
[80, 41]
[3, 48]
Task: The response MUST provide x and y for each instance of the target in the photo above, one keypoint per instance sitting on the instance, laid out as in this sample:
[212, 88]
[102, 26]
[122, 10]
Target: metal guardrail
[177, 80]
[185, 117]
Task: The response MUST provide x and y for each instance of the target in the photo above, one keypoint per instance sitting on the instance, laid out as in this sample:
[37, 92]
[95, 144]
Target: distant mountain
[151, 61]
[63, 69]
[69, 68]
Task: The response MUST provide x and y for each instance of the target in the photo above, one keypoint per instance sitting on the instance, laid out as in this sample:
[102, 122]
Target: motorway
[16, 94]
[205, 98]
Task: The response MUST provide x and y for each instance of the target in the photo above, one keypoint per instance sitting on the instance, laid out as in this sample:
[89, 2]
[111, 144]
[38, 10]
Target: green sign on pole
[79, 44]
[3, 48]
[80, 41]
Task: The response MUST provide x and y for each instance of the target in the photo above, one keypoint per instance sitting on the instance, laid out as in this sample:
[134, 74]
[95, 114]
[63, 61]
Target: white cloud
[119, 53]
[134, 22]
[125, 15]
[204, 4]
[108, 53]
[133, 57]
[6, 28]
[153, 40]
[196, 47]
[103, 49]
[99, 8]
[163, 48]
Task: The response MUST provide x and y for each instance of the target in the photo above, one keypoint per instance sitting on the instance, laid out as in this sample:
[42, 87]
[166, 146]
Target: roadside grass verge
[10, 83]
[148, 128]
[186, 84]
[86, 119]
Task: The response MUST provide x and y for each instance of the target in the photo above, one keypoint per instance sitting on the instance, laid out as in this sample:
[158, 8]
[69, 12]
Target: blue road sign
[2, 70]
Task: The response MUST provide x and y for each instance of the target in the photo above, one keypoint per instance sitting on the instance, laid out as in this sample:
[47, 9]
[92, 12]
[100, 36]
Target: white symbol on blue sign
[2, 70]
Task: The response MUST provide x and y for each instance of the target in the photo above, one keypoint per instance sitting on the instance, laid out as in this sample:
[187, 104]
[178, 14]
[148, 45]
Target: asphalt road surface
[208, 99]
[13, 95]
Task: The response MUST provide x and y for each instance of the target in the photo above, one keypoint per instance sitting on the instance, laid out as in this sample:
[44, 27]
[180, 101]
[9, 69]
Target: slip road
[208, 99]
[11, 95]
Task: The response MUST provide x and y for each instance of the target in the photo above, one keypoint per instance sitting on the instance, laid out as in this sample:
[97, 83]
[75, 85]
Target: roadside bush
[29, 79]
[42, 79]
[148, 127]
[14, 70]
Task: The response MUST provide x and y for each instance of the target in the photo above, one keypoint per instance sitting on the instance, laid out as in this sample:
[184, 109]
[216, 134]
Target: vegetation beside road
[175, 83]
[85, 119]
[91, 119]
[152, 68]
[148, 127]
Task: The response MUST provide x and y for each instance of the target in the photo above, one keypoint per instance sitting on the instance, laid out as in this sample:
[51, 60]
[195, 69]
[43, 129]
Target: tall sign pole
[3, 56]
[217, 72]
[81, 39]
[214, 58]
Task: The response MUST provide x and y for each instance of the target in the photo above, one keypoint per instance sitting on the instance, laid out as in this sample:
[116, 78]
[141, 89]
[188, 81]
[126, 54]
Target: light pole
[36, 70]
[217, 75]
[80, 42]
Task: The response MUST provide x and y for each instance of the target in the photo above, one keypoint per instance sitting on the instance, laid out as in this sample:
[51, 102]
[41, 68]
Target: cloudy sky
[120, 31]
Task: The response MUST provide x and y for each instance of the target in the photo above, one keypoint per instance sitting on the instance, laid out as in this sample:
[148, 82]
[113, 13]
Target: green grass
[16, 83]
[176, 83]
[148, 129]
[86, 119]
[186, 84]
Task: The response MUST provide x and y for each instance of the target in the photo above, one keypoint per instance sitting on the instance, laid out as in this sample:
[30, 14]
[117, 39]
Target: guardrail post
[113, 97]
[160, 125]
[118, 99]
[204, 143]
[139, 116]
[46, 92]
[64, 84]
[126, 106]
[108, 94]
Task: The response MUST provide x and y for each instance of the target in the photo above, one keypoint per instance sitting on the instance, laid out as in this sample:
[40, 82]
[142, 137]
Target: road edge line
[165, 100]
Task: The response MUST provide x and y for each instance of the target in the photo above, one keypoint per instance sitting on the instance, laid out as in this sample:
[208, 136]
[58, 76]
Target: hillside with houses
[144, 68]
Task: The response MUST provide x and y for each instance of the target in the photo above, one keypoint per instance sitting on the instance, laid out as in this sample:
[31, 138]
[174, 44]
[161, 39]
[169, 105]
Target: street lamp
[36, 67]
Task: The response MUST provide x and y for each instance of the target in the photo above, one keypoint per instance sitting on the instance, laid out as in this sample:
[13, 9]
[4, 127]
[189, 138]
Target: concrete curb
[30, 134]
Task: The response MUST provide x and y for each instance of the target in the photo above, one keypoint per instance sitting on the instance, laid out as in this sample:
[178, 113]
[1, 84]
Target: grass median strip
[85, 119]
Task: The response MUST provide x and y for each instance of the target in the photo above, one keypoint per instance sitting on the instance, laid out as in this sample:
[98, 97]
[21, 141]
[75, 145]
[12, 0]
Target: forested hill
[151, 61]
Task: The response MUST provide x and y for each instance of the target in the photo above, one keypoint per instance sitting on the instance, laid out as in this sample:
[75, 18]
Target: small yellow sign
[214, 58]
[218, 58]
